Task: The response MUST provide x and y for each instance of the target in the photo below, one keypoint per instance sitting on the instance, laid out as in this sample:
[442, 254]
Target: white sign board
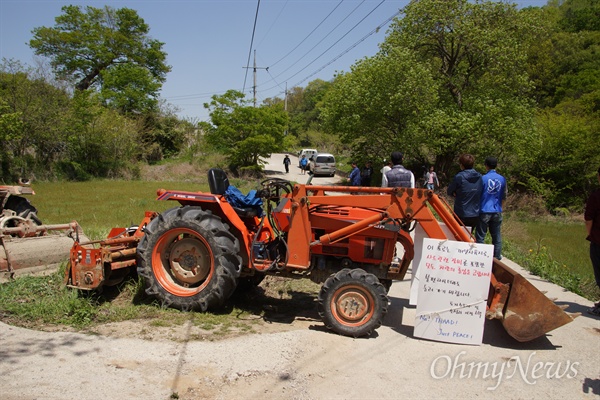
[418, 236]
[453, 290]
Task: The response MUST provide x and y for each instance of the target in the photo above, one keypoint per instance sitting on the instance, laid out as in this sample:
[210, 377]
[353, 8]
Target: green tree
[244, 133]
[381, 105]
[449, 78]
[477, 55]
[100, 142]
[106, 49]
[10, 131]
[33, 113]
[563, 60]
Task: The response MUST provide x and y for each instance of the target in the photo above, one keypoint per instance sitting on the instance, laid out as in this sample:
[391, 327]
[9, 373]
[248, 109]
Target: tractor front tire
[352, 302]
[189, 259]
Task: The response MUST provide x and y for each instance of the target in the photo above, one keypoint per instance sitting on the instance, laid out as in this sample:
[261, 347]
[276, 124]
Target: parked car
[306, 152]
[324, 164]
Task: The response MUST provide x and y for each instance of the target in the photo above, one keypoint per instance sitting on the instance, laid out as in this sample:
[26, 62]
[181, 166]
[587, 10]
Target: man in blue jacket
[354, 175]
[492, 200]
[466, 189]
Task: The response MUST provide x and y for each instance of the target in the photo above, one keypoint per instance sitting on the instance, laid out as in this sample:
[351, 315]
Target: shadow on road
[52, 346]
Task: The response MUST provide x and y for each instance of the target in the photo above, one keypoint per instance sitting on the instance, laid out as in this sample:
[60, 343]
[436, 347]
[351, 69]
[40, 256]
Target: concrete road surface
[275, 168]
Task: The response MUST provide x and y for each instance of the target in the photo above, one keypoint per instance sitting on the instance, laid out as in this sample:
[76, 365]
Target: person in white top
[386, 168]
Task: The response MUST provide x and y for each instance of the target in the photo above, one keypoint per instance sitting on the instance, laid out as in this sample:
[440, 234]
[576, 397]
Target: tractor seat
[219, 183]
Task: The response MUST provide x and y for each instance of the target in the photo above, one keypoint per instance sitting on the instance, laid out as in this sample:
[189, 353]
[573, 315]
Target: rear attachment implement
[94, 264]
[27, 248]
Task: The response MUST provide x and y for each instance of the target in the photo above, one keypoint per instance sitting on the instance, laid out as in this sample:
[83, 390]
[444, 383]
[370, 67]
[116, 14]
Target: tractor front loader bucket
[30, 249]
[525, 312]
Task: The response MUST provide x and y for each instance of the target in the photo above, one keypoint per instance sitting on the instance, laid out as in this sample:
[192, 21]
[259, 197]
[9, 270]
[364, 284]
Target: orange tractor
[193, 256]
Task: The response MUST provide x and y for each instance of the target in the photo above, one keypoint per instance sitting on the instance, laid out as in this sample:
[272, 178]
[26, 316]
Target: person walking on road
[466, 188]
[592, 225]
[303, 164]
[431, 179]
[490, 211]
[398, 176]
[286, 163]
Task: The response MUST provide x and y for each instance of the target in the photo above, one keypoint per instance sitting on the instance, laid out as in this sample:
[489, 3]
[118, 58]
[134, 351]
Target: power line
[251, 44]
[273, 78]
[345, 51]
[274, 21]
[349, 48]
[326, 36]
[311, 32]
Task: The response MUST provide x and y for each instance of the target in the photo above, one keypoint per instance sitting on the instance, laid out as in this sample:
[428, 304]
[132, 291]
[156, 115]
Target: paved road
[275, 168]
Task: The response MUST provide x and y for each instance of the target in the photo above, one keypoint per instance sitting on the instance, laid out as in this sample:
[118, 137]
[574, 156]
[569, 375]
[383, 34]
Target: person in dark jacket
[366, 174]
[398, 176]
[592, 224]
[466, 188]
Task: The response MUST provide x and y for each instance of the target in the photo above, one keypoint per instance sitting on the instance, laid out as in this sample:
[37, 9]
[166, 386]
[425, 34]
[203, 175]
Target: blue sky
[208, 41]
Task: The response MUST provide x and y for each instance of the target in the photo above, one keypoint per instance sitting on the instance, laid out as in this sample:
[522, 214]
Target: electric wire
[273, 24]
[348, 49]
[377, 29]
[327, 35]
[311, 32]
[273, 78]
[251, 44]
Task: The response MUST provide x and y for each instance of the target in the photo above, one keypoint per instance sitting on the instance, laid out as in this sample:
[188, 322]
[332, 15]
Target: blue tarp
[237, 199]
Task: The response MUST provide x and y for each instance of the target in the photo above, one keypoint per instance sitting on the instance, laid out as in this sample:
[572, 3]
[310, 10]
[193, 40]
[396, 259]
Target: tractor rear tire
[23, 208]
[189, 259]
[352, 302]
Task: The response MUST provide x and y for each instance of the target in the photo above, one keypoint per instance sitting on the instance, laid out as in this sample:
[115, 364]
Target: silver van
[324, 164]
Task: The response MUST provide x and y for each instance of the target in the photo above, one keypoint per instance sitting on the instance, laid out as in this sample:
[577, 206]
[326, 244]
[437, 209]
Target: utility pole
[285, 109]
[254, 68]
[285, 101]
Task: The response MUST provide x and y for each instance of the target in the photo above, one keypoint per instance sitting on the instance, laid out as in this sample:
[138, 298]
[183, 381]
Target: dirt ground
[295, 357]
[292, 355]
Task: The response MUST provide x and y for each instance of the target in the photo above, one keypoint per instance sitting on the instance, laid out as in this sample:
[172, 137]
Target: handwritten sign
[418, 236]
[453, 290]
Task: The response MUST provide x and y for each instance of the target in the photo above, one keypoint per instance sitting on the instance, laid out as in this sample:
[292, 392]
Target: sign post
[453, 290]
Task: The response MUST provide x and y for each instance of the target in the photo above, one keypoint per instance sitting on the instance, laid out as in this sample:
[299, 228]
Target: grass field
[99, 206]
[565, 242]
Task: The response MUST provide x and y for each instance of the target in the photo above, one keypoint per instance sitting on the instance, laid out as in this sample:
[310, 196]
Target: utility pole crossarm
[254, 68]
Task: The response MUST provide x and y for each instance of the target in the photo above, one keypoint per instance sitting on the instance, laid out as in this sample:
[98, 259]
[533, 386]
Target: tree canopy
[449, 78]
[106, 49]
[244, 133]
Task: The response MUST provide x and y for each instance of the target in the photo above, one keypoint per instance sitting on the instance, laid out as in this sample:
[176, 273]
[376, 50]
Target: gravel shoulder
[300, 359]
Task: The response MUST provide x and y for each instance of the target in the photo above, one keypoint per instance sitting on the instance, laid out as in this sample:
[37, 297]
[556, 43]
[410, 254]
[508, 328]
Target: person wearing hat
[398, 176]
